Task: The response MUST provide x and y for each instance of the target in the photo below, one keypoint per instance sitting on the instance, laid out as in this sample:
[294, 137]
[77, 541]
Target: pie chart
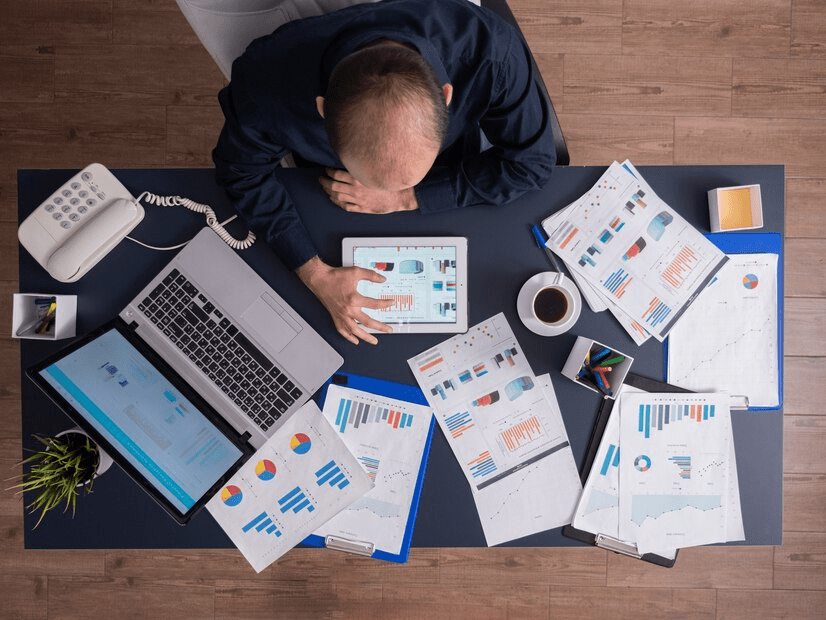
[300, 443]
[265, 469]
[750, 281]
[231, 495]
[642, 463]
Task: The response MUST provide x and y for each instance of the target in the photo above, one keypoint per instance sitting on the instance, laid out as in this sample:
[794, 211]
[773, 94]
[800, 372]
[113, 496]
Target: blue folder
[397, 391]
[754, 243]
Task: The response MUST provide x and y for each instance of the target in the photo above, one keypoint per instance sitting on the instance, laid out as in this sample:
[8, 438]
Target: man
[393, 100]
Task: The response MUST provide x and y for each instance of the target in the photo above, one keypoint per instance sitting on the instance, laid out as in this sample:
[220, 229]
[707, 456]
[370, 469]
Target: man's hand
[335, 287]
[351, 195]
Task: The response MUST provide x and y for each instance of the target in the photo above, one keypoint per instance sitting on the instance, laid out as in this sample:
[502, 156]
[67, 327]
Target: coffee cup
[549, 303]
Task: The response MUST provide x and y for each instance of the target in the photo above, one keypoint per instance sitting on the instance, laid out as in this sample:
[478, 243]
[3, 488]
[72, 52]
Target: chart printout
[674, 469]
[301, 477]
[388, 438]
[421, 281]
[728, 339]
[487, 401]
[636, 250]
[538, 497]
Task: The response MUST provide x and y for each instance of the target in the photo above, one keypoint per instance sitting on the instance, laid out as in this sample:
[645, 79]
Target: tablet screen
[425, 278]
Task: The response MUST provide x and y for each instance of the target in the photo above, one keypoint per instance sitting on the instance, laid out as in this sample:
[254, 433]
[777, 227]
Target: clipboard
[601, 540]
[753, 243]
[397, 391]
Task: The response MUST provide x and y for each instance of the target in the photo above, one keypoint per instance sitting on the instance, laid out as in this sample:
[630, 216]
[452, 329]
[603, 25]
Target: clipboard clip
[349, 546]
[739, 402]
[617, 546]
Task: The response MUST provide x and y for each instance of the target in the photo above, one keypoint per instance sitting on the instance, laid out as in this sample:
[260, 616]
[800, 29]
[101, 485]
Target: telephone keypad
[75, 199]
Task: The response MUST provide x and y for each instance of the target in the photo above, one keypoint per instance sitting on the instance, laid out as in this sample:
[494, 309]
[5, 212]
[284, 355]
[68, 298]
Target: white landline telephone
[88, 216]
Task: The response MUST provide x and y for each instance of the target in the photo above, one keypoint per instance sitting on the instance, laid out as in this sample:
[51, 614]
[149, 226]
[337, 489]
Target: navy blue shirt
[270, 110]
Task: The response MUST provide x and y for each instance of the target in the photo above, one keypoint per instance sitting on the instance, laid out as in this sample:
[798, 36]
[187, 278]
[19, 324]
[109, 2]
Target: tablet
[145, 416]
[426, 277]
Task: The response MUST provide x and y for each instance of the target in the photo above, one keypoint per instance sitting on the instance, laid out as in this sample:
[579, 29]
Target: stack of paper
[665, 474]
[294, 483]
[632, 253]
[388, 437]
[505, 428]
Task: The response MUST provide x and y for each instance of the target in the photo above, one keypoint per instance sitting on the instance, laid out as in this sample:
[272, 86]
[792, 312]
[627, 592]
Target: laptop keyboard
[220, 350]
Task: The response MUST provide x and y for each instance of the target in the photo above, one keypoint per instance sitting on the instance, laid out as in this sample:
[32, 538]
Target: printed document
[500, 421]
[676, 472]
[728, 340]
[296, 481]
[388, 438]
[644, 258]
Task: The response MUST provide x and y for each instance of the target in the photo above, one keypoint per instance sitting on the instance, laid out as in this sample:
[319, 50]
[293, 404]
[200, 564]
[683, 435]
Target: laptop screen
[146, 418]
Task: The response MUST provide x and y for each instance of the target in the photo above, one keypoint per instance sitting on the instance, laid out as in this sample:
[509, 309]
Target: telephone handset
[80, 223]
[88, 216]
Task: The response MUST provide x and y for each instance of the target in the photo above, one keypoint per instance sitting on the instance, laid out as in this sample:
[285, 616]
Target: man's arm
[335, 287]
[248, 167]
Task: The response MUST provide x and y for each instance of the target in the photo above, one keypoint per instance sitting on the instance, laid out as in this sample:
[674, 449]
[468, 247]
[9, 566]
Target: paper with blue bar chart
[300, 478]
[388, 438]
[498, 421]
[645, 259]
[677, 473]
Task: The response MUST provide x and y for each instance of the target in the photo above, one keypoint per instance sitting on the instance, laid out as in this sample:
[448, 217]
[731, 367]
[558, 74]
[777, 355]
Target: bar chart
[656, 417]
[296, 500]
[482, 465]
[263, 523]
[355, 413]
[332, 475]
[522, 434]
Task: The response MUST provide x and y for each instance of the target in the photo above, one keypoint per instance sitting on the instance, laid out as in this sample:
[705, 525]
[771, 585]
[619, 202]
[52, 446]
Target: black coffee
[550, 305]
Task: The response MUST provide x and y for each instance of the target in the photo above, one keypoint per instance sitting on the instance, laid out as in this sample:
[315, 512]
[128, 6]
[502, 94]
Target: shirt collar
[353, 40]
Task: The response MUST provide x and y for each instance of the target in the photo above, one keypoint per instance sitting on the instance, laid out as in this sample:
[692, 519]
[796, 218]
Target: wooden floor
[126, 83]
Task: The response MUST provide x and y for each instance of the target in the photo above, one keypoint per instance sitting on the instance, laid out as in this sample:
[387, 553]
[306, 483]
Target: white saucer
[524, 301]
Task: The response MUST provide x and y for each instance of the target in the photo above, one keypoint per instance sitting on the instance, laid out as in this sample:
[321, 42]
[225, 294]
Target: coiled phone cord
[211, 219]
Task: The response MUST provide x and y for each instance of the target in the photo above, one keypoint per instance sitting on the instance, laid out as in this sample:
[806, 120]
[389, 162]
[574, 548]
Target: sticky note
[735, 208]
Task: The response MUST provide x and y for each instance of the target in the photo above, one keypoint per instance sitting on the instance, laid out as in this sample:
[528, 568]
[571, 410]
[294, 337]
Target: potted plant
[67, 465]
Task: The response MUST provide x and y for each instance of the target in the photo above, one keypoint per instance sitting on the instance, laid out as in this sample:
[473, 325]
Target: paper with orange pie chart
[296, 482]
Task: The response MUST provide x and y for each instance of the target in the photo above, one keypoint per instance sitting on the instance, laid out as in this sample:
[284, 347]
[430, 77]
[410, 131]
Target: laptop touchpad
[266, 318]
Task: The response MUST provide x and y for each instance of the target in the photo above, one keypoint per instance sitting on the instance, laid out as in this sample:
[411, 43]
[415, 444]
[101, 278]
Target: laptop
[204, 363]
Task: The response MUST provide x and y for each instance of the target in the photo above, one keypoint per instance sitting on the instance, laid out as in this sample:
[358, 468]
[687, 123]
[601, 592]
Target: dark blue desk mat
[502, 257]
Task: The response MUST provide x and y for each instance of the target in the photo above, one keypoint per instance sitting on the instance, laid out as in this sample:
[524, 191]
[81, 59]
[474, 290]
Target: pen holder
[29, 316]
[597, 366]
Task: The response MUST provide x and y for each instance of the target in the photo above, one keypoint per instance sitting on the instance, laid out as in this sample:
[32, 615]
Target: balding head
[386, 115]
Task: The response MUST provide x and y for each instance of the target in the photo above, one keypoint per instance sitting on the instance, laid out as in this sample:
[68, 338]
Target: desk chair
[226, 27]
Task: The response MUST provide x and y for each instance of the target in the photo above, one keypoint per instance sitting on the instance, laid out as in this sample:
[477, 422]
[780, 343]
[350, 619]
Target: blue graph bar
[611, 459]
[296, 501]
[254, 522]
[266, 522]
[331, 474]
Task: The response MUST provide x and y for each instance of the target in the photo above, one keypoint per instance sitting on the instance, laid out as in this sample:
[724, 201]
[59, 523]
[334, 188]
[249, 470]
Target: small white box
[579, 369]
[735, 208]
[28, 312]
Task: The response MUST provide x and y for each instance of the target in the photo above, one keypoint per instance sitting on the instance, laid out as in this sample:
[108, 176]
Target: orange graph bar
[482, 457]
[431, 364]
[524, 432]
[674, 274]
[570, 236]
[400, 302]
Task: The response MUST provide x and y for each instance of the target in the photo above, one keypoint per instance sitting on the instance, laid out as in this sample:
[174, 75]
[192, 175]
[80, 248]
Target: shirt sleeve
[517, 123]
[248, 167]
